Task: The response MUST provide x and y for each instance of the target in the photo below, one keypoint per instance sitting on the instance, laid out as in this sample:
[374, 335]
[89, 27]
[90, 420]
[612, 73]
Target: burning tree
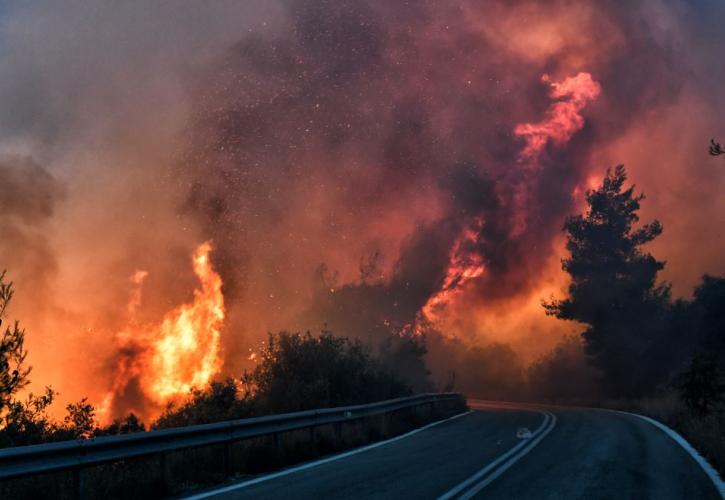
[613, 287]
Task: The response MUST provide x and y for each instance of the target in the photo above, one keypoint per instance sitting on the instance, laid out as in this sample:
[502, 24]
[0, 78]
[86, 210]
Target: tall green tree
[13, 372]
[614, 288]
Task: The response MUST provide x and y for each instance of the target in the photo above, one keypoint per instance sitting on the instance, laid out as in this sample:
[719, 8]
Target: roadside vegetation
[640, 349]
[295, 372]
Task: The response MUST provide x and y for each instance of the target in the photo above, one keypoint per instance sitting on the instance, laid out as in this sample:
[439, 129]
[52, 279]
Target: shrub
[220, 401]
[701, 384]
[299, 372]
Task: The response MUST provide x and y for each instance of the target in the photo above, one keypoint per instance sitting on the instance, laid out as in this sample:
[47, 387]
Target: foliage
[613, 286]
[221, 401]
[79, 422]
[298, 372]
[708, 315]
[702, 384]
[126, 425]
[13, 373]
[27, 422]
[405, 354]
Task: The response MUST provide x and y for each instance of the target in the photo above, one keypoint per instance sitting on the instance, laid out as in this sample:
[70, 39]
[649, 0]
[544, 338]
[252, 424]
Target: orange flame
[563, 118]
[463, 266]
[169, 358]
[561, 122]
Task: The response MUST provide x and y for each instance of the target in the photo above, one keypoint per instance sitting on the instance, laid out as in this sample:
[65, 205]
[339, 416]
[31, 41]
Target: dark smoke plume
[29, 195]
[336, 152]
[365, 127]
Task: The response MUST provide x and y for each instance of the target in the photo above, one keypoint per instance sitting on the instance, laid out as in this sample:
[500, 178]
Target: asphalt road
[502, 451]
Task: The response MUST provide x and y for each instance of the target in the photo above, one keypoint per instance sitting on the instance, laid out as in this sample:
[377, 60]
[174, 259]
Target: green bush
[299, 372]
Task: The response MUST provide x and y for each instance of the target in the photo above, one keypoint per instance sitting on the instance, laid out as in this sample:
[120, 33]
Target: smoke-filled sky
[369, 165]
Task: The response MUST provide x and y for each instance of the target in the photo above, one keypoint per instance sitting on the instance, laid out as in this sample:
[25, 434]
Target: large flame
[463, 267]
[562, 120]
[169, 358]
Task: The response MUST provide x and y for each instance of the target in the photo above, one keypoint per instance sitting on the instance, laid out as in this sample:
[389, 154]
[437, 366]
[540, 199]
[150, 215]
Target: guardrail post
[164, 470]
[227, 459]
[312, 434]
[385, 425]
[276, 440]
[78, 484]
[338, 431]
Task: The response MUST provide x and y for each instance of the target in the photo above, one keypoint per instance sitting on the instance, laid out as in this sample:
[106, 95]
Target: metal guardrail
[77, 454]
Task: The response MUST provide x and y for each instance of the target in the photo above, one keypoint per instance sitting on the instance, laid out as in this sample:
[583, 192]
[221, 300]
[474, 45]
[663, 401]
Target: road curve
[502, 451]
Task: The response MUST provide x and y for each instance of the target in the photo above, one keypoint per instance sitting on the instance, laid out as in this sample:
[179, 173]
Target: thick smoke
[29, 195]
[372, 128]
[335, 152]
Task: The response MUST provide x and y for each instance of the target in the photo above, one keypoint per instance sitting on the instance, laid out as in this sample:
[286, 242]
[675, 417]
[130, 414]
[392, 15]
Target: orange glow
[301, 165]
[169, 358]
[561, 122]
[463, 267]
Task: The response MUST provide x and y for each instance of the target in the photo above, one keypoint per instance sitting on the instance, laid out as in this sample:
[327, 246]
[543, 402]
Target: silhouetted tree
[126, 425]
[701, 384]
[13, 372]
[80, 421]
[27, 422]
[613, 287]
[405, 353]
[707, 315]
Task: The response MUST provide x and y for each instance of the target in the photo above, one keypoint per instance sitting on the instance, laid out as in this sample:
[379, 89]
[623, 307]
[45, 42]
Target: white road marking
[523, 433]
[709, 469]
[717, 481]
[485, 476]
[531, 445]
[309, 465]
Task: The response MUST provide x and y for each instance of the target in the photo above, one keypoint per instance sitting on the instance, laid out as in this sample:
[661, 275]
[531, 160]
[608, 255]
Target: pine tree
[613, 286]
